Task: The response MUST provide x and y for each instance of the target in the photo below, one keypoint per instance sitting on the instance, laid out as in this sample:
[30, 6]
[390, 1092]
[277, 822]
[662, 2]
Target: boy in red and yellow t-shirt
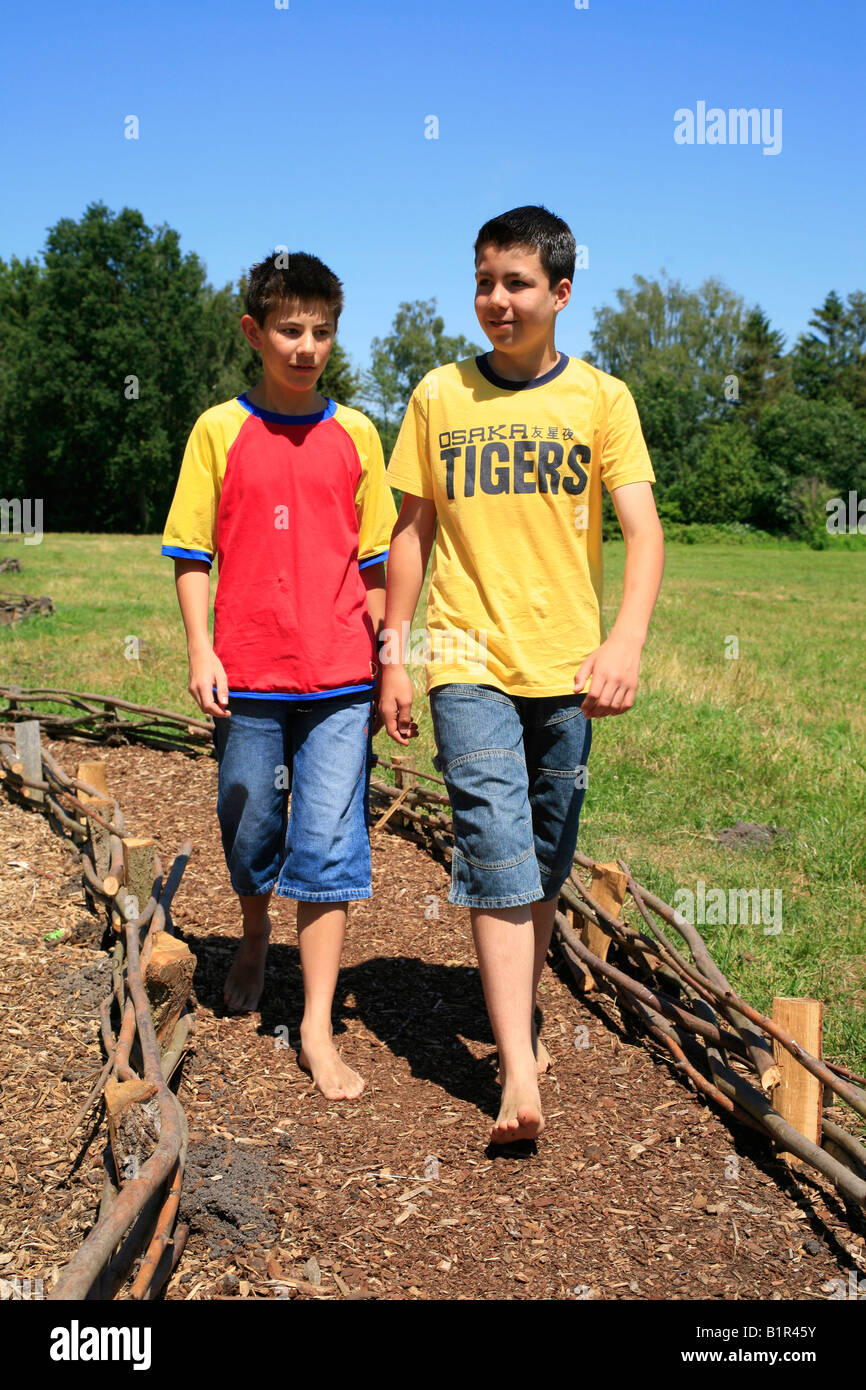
[287, 490]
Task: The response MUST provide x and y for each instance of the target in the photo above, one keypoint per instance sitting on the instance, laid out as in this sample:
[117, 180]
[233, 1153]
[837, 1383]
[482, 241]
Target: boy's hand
[378, 721]
[205, 672]
[614, 668]
[395, 703]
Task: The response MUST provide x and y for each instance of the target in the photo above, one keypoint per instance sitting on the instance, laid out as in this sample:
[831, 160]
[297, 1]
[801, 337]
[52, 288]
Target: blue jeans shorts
[515, 770]
[321, 750]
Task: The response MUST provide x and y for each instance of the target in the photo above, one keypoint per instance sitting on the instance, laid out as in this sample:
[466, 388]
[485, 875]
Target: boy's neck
[281, 401]
[524, 366]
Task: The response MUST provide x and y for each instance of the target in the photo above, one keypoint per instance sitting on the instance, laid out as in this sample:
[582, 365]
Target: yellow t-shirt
[516, 471]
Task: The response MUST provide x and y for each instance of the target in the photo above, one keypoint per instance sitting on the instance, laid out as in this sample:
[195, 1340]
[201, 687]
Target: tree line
[113, 341]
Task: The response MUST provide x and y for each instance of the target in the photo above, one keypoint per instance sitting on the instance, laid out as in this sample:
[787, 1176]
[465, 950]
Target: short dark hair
[536, 227]
[283, 277]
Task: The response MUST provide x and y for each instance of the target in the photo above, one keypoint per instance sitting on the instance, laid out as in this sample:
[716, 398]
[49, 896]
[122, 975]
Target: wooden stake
[29, 750]
[608, 887]
[404, 780]
[138, 869]
[100, 837]
[132, 1120]
[799, 1096]
[584, 980]
[95, 775]
[168, 981]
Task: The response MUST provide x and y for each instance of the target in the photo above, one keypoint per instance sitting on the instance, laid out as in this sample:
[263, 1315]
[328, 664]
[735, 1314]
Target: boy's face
[514, 300]
[294, 342]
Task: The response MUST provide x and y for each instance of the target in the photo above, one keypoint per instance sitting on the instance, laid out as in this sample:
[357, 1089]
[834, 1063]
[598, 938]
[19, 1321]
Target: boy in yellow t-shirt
[508, 452]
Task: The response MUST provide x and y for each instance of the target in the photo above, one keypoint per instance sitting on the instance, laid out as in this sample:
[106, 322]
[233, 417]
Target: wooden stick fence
[752, 1067]
[151, 981]
[104, 718]
[765, 1072]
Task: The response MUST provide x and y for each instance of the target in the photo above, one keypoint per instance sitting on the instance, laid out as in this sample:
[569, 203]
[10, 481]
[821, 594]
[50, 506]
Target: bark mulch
[636, 1190]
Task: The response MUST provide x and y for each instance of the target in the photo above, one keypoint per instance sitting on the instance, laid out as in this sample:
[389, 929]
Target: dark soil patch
[85, 988]
[223, 1195]
[745, 834]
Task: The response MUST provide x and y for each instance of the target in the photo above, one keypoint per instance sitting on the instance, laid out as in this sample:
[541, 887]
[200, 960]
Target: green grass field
[775, 735]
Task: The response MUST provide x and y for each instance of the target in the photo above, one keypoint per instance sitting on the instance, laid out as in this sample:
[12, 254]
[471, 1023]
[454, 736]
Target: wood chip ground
[636, 1190]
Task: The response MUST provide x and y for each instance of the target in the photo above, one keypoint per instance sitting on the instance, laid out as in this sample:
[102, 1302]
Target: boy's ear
[251, 331]
[562, 294]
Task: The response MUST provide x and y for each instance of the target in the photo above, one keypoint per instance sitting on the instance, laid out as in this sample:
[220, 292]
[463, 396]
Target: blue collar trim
[487, 371]
[276, 419]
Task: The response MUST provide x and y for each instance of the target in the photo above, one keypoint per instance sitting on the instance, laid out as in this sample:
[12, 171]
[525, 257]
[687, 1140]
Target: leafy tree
[666, 409]
[802, 439]
[663, 331]
[123, 343]
[416, 344]
[761, 368]
[723, 481]
[809, 498]
[831, 360]
[109, 349]
[18, 284]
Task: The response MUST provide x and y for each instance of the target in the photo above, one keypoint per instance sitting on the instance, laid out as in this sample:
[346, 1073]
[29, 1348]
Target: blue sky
[305, 127]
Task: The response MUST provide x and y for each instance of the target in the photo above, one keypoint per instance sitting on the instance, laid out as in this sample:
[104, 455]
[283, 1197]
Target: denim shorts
[515, 769]
[320, 750]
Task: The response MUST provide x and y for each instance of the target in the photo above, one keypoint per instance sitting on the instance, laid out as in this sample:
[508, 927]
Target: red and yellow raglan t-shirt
[292, 507]
[516, 471]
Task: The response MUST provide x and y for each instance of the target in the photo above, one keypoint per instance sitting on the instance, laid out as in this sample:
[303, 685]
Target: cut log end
[168, 981]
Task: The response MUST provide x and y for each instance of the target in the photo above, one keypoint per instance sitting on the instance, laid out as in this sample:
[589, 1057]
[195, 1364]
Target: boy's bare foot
[246, 979]
[519, 1115]
[331, 1075]
[543, 1061]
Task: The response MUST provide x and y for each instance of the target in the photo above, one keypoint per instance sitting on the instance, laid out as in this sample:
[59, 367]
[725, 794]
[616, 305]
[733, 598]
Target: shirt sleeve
[374, 504]
[410, 468]
[190, 529]
[624, 455]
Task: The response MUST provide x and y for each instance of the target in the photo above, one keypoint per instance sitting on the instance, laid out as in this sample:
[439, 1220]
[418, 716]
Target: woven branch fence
[145, 1025]
[765, 1072]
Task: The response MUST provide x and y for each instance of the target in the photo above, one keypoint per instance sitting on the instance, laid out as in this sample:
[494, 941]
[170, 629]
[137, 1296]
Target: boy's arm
[614, 666]
[192, 580]
[374, 582]
[411, 544]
